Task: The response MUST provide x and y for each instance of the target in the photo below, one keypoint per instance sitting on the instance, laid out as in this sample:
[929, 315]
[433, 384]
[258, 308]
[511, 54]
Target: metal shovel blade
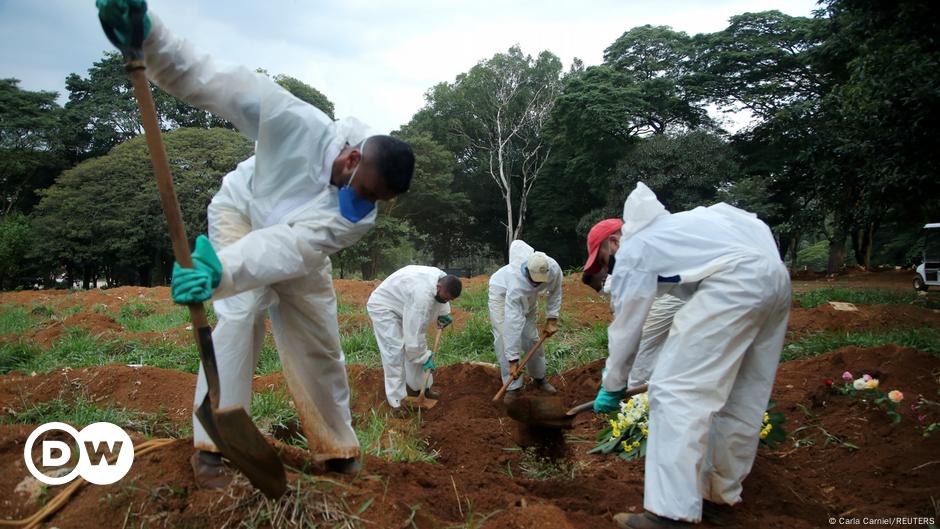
[233, 432]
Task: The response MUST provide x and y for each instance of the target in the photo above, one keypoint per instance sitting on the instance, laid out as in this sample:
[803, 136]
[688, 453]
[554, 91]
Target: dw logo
[97, 443]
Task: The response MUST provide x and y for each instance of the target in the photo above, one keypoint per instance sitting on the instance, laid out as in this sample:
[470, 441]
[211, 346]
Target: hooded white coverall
[513, 303]
[716, 369]
[401, 308]
[276, 220]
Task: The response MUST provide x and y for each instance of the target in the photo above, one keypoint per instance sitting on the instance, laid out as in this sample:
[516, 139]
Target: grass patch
[268, 361]
[273, 411]
[474, 300]
[922, 339]
[400, 443]
[82, 411]
[78, 349]
[474, 343]
[360, 347]
[15, 319]
[139, 317]
[568, 350]
[863, 296]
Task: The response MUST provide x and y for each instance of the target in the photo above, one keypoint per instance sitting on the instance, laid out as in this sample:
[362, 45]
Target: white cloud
[373, 59]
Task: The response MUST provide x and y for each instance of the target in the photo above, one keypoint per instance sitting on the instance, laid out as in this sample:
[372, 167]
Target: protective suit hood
[640, 209]
[519, 253]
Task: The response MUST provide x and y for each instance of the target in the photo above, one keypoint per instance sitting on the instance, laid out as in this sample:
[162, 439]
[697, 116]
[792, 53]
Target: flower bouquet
[628, 431]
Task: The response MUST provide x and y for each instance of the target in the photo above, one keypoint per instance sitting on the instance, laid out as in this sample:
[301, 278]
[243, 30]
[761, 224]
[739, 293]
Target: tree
[305, 92]
[433, 205]
[493, 118]
[30, 149]
[14, 243]
[103, 217]
[101, 111]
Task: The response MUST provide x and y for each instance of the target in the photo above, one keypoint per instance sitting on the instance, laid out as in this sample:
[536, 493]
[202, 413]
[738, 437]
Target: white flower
[860, 384]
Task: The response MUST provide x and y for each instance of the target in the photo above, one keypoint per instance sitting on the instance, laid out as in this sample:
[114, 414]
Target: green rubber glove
[194, 285]
[444, 321]
[429, 364]
[607, 401]
[116, 15]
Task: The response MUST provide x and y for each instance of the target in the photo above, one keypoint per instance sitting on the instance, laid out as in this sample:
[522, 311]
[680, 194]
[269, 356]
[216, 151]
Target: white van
[927, 271]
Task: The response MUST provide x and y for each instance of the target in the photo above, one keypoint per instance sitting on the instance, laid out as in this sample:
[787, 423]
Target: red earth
[845, 458]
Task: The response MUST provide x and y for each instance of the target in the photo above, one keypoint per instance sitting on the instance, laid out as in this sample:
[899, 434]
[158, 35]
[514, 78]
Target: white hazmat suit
[716, 369]
[401, 309]
[513, 303]
[276, 220]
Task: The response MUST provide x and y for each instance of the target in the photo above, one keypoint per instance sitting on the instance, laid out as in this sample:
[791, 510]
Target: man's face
[368, 183]
[442, 296]
[607, 248]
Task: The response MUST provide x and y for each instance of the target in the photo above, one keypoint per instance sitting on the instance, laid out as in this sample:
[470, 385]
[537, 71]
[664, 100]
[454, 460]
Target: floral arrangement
[867, 389]
[628, 431]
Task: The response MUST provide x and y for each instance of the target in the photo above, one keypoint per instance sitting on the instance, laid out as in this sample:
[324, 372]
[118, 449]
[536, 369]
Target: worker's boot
[647, 520]
[344, 465]
[209, 470]
[511, 395]
[428, 393]
[545, 386]
[718, 514]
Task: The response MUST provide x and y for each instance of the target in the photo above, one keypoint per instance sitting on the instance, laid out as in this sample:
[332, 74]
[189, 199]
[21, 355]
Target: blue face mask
[352, 206]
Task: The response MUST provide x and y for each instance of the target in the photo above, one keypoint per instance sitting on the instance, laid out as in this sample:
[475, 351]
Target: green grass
[570, 349]
[475, 300]
[863, 296]
[268, 360]
[81, 411]
[15, 320]
[139, 317]
[403, 443]
[273, 411]
[77, 349]
[923, 339]
[474, 343]
[360, 347]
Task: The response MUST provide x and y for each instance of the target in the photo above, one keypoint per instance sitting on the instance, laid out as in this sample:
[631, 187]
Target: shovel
[230, 429]
[518, 373]
[550, 412]
[421, 401]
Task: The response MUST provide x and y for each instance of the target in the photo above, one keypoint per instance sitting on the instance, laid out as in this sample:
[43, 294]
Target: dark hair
[394, 160]
[452, 285]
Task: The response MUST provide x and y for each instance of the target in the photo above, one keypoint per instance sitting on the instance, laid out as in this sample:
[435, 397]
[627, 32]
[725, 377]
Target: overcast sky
[374, 60]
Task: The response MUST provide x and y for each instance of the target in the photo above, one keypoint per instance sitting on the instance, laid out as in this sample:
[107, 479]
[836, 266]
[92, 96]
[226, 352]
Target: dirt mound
[482, 472]
[145, 389]
[868, 317]
[93, 323]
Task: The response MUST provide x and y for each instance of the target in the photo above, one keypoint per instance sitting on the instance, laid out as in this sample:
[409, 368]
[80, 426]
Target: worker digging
[699, 299]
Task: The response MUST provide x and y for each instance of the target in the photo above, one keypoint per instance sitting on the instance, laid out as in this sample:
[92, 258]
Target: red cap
[596, 236]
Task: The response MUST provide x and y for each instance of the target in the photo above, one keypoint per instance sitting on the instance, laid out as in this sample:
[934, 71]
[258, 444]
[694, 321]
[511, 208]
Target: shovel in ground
[422, 402]
[549, 412]
[230, 429]
[518, 372]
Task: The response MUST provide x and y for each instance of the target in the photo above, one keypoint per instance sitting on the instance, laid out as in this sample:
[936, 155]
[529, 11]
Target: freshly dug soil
[480, 469]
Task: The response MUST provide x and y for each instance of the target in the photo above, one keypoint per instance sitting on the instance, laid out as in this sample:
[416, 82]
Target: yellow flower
[766, 417]
[626, 447]
[872, 384]
[896, 396]
[636, 444]
[764, 434]
[645, 432]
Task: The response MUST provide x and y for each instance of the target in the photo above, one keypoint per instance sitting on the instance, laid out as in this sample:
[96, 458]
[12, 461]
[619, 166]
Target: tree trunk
[87, 273]
[836, 253]
[794, 250]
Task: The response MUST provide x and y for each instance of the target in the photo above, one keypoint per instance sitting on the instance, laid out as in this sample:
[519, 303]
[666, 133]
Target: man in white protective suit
[401, 309]
[602, 244]
[309, 191]
[513, 305]
[715, 371]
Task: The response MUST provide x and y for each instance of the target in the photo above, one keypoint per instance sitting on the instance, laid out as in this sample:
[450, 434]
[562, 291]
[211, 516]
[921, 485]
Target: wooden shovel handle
[525, 360]
[174, 217]
[585, 406]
